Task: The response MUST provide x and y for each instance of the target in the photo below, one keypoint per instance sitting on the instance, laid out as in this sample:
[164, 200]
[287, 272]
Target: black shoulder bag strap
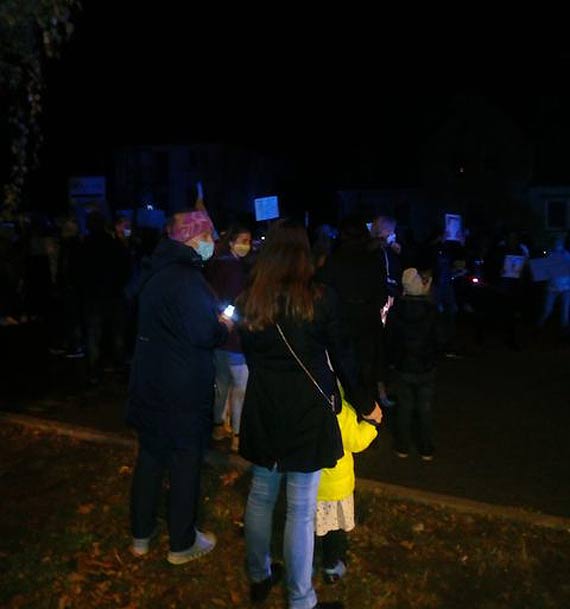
[330, 400]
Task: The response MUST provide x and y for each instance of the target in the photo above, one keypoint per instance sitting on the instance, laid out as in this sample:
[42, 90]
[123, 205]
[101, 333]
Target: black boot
[259, 591]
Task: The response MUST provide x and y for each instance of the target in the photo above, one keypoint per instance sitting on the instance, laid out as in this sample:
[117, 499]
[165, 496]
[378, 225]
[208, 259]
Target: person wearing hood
[415, 341]
[171, 386]
[357, 276]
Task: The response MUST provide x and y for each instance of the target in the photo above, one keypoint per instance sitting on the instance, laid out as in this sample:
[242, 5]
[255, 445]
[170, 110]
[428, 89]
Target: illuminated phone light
[475, 280]
[229, 311]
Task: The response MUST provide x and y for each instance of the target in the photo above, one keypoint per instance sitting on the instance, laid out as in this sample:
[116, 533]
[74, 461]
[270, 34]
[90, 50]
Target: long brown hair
[281, 279]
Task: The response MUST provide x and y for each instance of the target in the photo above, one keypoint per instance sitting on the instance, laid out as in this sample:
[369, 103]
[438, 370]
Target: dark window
[556, 214]
[162, 164]
[402, 213]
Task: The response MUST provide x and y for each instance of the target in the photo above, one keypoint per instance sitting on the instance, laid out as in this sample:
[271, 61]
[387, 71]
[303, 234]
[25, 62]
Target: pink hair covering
[190, 224]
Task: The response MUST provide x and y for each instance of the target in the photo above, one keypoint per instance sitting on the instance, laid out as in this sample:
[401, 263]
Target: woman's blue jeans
[231, 381]
[298, 542]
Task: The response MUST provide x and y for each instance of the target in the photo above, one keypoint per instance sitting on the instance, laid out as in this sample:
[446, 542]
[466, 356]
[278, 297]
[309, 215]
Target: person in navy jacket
[172, 385]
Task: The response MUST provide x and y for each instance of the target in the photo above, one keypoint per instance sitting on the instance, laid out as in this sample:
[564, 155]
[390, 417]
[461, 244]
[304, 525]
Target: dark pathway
[502, 418]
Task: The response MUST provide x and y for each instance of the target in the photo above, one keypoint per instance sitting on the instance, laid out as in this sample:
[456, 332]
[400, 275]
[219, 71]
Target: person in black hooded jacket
[415, 340]
[171, 387]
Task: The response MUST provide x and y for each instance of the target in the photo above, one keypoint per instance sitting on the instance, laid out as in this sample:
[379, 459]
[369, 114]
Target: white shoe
[204, 544]
[141, 546]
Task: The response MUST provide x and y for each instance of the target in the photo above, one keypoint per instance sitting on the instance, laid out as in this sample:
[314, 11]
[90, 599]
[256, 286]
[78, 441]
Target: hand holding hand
[375, 416]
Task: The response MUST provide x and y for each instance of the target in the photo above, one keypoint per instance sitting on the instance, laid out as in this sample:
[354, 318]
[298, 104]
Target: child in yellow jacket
[335, 498]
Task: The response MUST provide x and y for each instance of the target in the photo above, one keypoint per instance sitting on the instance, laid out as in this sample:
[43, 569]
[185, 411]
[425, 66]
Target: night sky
[331, 92]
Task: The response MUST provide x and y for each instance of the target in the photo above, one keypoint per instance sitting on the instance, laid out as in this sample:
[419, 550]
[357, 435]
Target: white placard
[453, 227]
[513, 266]
[266, 208]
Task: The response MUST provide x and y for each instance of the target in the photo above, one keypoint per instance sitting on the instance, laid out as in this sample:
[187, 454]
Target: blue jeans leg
[258, 521]
[299, 530]
[299, 539]
[223, 382]
[239, 373]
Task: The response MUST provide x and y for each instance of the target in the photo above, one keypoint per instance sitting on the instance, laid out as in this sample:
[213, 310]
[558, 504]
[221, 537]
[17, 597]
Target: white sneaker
[141, 546]
[204, 544]
[331, 576]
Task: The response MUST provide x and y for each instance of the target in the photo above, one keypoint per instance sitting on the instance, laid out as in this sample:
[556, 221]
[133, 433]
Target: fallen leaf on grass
[408, 545]
[64, 601]
[236, 598]
[18, 601]
[85, 508]
[229, 478]
[88, 564]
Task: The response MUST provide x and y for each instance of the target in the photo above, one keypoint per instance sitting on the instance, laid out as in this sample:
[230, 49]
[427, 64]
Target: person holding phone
[227, 273]
[289, 430]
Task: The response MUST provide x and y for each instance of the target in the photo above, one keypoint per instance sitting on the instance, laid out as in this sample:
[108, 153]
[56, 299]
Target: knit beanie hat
[413, 283]
[188, 224]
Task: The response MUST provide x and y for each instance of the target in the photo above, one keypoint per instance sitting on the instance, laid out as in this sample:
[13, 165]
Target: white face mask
[127, 232]
[205, 249]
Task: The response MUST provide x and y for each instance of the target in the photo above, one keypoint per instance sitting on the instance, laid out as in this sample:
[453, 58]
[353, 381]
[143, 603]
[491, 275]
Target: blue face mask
[205, 250]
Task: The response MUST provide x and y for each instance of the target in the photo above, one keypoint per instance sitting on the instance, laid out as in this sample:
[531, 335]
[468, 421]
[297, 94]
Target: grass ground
[64, 543]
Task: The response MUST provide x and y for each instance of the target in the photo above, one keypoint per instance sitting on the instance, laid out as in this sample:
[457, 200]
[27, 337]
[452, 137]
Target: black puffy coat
[413, 335]
[285, 420]
[358, 278]
[172, 376]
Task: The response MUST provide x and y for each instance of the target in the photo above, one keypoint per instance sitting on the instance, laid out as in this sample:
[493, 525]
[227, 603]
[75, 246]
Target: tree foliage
[31, 33]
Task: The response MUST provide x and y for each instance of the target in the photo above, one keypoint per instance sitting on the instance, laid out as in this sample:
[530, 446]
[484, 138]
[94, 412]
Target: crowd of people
[294, 349]
[78, 285]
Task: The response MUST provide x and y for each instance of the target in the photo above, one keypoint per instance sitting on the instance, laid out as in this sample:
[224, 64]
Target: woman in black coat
[289, 428]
